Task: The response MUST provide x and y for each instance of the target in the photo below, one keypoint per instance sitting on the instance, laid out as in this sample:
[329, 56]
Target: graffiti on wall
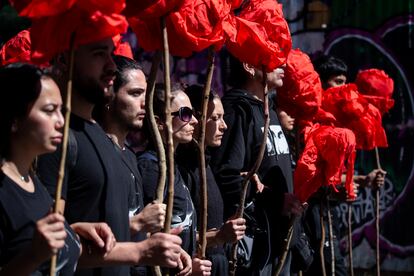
[366, 34]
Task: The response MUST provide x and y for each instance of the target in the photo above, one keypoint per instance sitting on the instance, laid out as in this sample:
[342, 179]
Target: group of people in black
[109, 221]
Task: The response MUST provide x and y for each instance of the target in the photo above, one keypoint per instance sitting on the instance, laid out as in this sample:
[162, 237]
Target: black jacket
[239, 150]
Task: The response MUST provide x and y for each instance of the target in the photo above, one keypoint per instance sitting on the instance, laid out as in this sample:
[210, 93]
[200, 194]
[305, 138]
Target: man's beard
[92, 92]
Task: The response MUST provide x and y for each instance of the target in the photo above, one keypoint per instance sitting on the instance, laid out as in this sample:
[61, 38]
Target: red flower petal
[51, 35]
[301, 93]
[354, 112]
[327, 151]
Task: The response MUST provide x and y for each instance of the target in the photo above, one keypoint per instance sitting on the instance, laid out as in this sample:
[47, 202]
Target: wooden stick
[168, 124]
[201, 156]
[254, 169]
[321, 248]
[286, 247]
[331, 242]
[68, 107]
[377, 219]
[155, 133]
[350, 256]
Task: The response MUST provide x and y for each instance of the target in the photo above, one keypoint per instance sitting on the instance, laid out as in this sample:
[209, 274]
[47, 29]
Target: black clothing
[187, 161]
[183, 210]
[238, 152]
[135, 200]
[19, 212]
[188, 164]
[240, 146]
[96, 188]
[313, 229]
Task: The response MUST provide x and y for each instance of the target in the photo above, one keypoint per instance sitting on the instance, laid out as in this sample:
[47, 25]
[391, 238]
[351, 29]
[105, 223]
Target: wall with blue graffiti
[372, 34]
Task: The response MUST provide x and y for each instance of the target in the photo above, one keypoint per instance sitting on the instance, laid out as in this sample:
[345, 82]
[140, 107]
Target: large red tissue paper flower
[327, 151]
[51, 35]
[259, 35]
[352, 111]
[377, 88]
[301, 93]
[196, 25]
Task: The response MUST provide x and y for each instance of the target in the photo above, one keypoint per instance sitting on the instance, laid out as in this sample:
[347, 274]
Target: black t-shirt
[183, 210]
[188, 164]
[96, 187]
[19, 212]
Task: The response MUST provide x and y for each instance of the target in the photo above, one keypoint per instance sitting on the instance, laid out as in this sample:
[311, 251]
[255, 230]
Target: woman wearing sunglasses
[183, 124]
[218, 233]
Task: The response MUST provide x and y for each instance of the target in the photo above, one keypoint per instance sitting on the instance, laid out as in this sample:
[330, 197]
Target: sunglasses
[184, 113]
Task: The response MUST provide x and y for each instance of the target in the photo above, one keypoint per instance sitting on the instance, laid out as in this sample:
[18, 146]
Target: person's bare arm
[159, 249]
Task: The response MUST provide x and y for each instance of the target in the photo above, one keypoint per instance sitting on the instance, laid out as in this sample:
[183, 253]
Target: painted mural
[372, 34]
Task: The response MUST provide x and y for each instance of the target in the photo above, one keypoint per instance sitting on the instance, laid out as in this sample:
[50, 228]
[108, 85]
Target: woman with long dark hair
[31, 124]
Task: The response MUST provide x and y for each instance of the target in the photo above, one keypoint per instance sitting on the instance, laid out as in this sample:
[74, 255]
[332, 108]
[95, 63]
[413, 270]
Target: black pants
[313, 230]
[220, 264]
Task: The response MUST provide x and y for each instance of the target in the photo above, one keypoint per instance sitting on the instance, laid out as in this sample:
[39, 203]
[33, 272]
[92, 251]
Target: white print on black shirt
[276, 141]
[184, 219]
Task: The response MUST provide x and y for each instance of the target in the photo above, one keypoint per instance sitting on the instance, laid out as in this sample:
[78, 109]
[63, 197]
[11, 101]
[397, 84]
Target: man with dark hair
[97, 182]
[125, 112]
[243, 114]
[332, 71]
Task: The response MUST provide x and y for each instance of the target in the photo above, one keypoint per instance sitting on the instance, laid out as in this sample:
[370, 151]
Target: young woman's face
[41, 131]
[287, 122]
[215, 125]
[182, 131]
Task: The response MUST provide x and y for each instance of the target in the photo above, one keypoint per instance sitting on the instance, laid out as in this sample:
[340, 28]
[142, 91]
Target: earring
[107, 107]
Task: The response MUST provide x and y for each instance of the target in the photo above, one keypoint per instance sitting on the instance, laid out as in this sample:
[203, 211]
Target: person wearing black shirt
[187, 158]
[184, 215]
[125, 112]
[31, 124]
[97, 183]
[243, 109]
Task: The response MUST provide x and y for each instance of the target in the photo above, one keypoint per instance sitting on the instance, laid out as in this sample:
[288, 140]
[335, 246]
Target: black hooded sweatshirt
[243, 115]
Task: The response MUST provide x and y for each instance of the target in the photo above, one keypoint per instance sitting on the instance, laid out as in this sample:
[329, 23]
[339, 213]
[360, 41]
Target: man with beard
[123, 112]
[97, 182]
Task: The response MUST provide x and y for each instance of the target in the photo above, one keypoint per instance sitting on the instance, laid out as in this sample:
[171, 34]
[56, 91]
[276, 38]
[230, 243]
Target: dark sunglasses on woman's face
[184, 113]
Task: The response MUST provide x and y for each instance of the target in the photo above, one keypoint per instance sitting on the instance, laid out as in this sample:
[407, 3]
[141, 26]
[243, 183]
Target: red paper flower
[196, 25]
[17, 49]
[122, 48]
[352, 111]
[377, 88]
[260, 35]
[301, 93]
[327, 151]
[51, 35]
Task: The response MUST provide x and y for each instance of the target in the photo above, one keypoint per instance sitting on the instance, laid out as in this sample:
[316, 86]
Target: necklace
[24, 178]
